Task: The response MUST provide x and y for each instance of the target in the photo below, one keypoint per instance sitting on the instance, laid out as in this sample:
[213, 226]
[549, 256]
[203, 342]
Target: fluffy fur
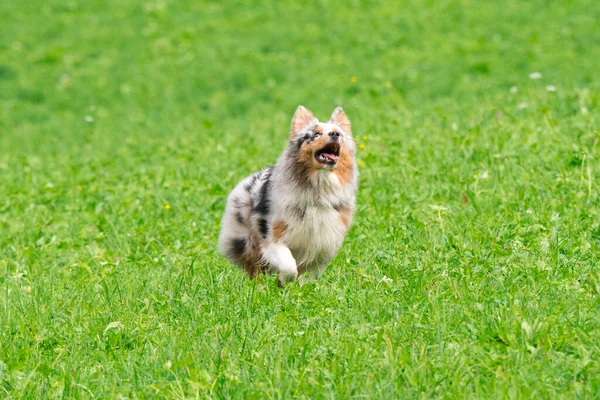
[291, 218]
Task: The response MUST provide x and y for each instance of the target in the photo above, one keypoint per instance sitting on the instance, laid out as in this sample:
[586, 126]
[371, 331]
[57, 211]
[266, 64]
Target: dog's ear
[339, 117]
[302, 118]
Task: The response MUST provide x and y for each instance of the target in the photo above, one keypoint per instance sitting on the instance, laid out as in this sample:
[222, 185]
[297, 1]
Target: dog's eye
[317, 134]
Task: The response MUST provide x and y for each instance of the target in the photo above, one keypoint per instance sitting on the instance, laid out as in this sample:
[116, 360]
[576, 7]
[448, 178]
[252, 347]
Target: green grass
[471, 270]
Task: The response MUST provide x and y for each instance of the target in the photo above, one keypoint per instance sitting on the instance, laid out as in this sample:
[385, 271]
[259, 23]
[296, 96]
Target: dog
[291, 218]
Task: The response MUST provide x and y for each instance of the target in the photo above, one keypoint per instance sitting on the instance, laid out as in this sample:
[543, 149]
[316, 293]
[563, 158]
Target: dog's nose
[334, 135]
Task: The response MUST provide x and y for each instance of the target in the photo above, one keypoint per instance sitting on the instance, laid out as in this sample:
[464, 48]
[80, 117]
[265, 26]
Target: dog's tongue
[330, 157]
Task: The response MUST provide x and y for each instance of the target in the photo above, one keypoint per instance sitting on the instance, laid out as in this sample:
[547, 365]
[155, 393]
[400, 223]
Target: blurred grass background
[163, 63]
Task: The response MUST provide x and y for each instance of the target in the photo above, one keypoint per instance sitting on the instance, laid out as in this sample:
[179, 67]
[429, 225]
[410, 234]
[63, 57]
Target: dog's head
[322, 145]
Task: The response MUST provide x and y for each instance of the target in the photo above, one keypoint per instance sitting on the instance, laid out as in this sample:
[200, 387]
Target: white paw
[287, 276]
[282, 261]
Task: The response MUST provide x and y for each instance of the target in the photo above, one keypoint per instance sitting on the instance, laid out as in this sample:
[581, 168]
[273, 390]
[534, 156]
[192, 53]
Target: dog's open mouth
[328, 154]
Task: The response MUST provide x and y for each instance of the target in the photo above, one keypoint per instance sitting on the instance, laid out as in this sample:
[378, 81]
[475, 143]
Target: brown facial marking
[344, 167]
[279, 228]
[306, 154]
[319, 142]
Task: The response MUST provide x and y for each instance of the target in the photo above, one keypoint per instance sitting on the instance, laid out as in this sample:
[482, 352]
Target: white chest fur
[314, 227]
[315, 238]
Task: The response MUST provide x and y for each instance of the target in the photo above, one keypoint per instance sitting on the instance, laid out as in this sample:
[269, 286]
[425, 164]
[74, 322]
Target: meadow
[471, 270]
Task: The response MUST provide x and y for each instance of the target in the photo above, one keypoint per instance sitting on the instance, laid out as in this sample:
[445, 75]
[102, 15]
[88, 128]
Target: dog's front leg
[281, 261]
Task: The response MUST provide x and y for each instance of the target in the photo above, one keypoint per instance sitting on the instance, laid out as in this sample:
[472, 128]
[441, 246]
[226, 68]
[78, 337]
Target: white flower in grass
[551, 88]
[529, 212]
[386, 279]
[513, 90]
[89, 119]
[535, 75]
[482, 175]
[65, 80]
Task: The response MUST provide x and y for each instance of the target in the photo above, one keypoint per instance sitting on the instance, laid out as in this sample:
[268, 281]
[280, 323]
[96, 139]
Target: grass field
[471, 270]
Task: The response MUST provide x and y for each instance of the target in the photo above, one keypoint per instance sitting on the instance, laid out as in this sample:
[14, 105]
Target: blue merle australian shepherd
[290, 219]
